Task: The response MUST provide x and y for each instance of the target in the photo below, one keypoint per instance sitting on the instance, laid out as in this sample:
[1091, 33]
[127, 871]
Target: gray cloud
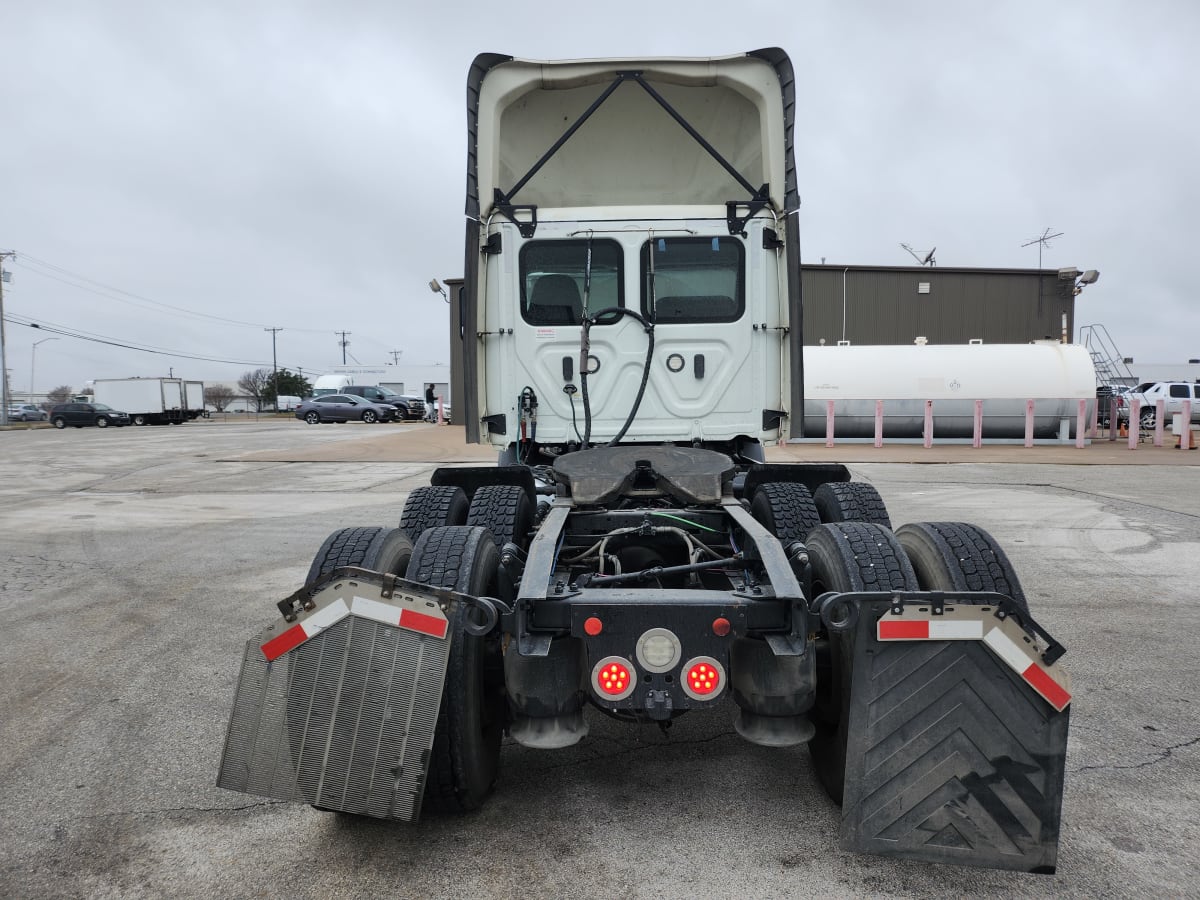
[301, 165]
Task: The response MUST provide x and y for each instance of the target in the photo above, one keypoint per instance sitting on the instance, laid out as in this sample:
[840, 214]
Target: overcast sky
[183, 175]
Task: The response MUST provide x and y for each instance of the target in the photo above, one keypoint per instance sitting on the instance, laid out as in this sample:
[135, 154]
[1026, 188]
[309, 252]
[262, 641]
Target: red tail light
[703, 678]
[614, 678]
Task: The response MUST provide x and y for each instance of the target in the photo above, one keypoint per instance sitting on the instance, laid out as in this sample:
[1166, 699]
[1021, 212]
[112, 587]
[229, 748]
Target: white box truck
[149, 401]
[193, 395]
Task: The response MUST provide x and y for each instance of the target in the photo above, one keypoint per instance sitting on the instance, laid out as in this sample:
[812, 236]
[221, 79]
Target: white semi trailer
[149, 401]
[631, 342]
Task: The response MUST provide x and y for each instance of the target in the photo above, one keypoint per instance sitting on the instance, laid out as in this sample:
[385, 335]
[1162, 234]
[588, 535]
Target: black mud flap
[952, 757]
[336, 707]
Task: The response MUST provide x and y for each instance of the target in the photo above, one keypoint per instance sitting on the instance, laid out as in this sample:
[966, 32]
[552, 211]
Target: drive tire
[59, 422]
[785, 509]
[312, 418]
[847, 556]
[505, 511]
[956, 556]
[430, 506]
[370, 416]
[465, 760]
[376, 548]
[851, 501]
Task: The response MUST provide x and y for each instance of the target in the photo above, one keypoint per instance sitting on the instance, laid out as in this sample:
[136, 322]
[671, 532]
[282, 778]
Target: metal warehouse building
[898, 304]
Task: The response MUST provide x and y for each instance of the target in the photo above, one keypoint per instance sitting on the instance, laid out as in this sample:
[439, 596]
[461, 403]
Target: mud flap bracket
[952, 755]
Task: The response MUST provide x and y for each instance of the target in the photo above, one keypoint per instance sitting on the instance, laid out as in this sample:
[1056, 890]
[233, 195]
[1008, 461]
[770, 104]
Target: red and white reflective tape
[364, 608]
[1051, 683]
[929, 630]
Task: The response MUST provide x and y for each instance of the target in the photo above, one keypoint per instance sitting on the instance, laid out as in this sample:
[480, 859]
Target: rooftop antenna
[927, 260]
[1043, 240]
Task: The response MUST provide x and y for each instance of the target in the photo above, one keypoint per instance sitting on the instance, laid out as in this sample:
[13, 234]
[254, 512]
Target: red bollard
[1160, 421]
[1079, 420]
[928, 423]
[1028, 423]
[977, 440]
[1185, 439]
[1135, 422]
[828, 423]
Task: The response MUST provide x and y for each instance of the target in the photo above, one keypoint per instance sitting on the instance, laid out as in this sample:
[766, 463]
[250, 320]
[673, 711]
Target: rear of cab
[631, 211]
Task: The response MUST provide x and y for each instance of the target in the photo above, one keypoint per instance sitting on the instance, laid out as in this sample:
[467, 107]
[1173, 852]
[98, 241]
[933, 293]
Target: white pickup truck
[1172, 392]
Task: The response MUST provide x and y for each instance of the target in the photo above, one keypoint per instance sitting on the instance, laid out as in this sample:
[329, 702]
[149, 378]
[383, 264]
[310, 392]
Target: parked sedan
[26, 412]
[343, 408]
[81, 414]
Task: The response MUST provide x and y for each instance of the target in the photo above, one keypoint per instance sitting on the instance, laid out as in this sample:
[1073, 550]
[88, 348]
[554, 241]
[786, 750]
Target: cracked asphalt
[134, 564]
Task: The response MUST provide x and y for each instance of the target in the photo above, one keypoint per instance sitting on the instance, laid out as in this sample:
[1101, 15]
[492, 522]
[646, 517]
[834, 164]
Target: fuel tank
[1004, 376]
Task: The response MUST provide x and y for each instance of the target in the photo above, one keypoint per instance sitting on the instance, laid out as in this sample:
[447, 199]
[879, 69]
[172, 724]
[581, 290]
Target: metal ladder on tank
[1111, 367]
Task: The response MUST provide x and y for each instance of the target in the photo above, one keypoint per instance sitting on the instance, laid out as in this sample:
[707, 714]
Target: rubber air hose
[583, 370]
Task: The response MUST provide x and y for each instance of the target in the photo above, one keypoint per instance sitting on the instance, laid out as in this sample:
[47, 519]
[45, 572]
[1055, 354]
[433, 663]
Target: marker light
[614, 678]
[703, 678]
[592, 626]
[658, 650]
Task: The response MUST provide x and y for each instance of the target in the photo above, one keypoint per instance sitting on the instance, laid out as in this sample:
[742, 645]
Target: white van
[330, 384]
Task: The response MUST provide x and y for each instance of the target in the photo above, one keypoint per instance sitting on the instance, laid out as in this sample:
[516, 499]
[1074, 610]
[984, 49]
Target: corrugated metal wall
[874, 305]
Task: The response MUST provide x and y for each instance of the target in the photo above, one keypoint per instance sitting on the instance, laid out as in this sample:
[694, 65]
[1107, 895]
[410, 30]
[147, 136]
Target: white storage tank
[1055, 376]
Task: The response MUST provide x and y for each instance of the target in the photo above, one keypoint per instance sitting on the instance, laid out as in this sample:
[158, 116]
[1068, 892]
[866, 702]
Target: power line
[51, 329]
[109, 291]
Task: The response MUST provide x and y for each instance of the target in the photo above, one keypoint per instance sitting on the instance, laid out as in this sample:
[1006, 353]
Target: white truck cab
[631, 282]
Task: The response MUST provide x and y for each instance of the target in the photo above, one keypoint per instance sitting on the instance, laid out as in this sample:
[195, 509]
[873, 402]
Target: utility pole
[4, 398]
[345, 343]
[274, 365]
[395, 356]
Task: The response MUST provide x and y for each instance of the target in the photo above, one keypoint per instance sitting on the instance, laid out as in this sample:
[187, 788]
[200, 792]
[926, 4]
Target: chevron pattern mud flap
[337, 708]
[952, 757]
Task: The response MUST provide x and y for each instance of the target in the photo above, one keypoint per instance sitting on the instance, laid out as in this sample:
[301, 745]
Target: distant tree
[254, 383]
[286, 384]
[60, 394]
[218, 396]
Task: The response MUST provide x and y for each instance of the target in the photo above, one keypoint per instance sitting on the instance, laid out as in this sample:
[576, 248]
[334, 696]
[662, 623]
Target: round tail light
[703, 678]
[613, 678]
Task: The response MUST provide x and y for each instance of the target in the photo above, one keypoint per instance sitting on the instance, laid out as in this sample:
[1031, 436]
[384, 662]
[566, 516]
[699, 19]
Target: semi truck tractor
[149, 401]
[632, 343]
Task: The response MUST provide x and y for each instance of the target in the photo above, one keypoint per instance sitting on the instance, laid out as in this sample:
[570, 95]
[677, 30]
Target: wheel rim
[102, 422]
[312, 418]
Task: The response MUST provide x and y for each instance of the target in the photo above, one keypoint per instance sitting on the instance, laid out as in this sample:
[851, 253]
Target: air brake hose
[584, 346]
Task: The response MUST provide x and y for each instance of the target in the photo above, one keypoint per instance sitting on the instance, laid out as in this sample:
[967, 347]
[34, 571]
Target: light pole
[436, 287]
[33, 363]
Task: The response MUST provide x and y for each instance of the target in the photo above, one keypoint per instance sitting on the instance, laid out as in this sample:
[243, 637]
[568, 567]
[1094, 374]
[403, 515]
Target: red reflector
[1047, 687]
[901, 630]
[703, 678]
[593, 626]
[613, 678]
[720, 626]
[415, 621]
[281, 644]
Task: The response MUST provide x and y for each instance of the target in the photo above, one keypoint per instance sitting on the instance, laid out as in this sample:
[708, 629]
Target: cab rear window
[692, 279]
[557, 276]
